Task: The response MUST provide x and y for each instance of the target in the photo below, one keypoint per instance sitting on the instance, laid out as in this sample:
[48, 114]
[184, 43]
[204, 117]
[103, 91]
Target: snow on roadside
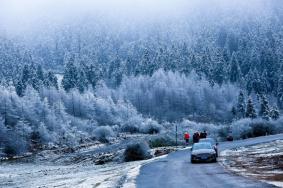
[262, 161]
[56, 169]
[32, 175]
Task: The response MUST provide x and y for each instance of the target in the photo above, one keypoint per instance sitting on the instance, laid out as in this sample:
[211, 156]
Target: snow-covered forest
[201, 61]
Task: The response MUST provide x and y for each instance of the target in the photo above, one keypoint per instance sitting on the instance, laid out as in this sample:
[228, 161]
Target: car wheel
[192, 161]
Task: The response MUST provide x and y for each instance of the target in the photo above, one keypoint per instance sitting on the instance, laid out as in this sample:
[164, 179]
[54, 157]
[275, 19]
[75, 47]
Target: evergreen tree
[50, 80]
[40, 73]
[249, 81]
[264, 108]
[185, 65]
[256, 84]
[235, 71]
[264, 85]
[26, 75]
[82, 82]
[234, 111]
[40, 76]
[94, 74]
[20, 88]
[241, 105]
[274, 113]
[70, 78]
[280, 91]
[144, 64]
[219, 73]
[34, 81]
[250, 112]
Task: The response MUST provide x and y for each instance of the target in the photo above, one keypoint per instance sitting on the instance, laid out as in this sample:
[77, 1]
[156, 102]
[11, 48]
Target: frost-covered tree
[26, 75]
[70, 78]
[94, 74]
[235, 71]
[40, 73]
[274, 113]
[250, 111]
[50, 80]
[82, 82]
[280, 91]
[173, 96]
[250, 81]
[264, 108]
[241, 105]
[264, 84]
[20, 88]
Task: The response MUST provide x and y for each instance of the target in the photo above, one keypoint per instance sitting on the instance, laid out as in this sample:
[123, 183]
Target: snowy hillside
[83, 82]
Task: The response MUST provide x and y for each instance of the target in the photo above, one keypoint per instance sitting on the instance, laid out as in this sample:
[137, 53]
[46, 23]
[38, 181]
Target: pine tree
[241, 105]
[40, 73]
[50, 80]
[144, 64]
[20, 88]
[40, 76]
[70, 78]
[264, 85]
[255, 82]
[218, 73]
[235, 71]
[249, 81]
[250, 112]
[82, 82]
[274, 113]
[26, 75]
[234, 111]
[264, 108]
[34, 81]
[280, 91]
[94, 74]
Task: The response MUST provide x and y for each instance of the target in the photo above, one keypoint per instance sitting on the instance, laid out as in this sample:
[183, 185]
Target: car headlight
[194, 156]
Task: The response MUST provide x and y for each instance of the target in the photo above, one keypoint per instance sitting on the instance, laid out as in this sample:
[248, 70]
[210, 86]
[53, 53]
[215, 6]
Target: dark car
[203, 152]
[212, 142]
[230, 136]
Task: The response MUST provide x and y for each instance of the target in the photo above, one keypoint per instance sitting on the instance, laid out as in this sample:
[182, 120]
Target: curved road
[176, 171]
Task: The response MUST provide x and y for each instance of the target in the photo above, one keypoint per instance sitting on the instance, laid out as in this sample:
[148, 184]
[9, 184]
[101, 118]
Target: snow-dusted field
[112, 175]
[64, 168]
[262, 161]
[34, 175]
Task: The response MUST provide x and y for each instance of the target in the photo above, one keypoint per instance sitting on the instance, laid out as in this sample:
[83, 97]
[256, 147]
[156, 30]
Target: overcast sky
[21, 15]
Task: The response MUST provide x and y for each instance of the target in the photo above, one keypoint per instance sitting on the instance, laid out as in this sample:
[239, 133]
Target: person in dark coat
[196, 137]
[203, 135]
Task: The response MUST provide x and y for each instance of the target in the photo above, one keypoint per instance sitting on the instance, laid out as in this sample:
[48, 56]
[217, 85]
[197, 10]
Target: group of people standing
[199, 135]
[196, 136]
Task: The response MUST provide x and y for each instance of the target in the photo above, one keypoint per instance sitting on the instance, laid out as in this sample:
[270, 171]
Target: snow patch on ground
[32, 175]
[262, 161]
[74, 167]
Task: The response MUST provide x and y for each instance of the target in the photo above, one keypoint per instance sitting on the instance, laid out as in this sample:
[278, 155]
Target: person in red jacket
[187, 137]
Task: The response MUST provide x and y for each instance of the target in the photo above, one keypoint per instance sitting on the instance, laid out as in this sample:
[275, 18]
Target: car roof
[202, 143]
[199, 143]
[208, 139]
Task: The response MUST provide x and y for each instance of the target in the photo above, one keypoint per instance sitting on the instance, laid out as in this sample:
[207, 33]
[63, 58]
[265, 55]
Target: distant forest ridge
[240, 46]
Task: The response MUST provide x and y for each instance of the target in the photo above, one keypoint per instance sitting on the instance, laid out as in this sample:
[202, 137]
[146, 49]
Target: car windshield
[198, 146]
[209, 140]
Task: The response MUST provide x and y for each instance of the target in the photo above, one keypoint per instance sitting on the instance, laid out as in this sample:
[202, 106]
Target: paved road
[176, 171]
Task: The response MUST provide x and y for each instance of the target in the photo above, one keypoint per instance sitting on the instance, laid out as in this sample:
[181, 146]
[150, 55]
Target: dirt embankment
[263, 162]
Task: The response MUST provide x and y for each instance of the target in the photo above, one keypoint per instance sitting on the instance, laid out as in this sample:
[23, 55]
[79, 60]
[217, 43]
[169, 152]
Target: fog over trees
[135, 67]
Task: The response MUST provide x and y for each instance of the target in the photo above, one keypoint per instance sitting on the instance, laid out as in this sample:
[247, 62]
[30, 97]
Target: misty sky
[23, 16]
